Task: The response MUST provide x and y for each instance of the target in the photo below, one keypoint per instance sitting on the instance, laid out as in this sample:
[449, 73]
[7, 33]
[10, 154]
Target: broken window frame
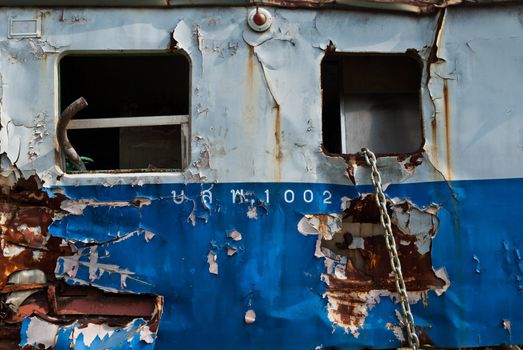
[183, 120]
[342, 151]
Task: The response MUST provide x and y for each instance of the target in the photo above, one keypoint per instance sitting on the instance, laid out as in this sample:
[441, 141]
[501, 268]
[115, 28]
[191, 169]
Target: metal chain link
[381, 201]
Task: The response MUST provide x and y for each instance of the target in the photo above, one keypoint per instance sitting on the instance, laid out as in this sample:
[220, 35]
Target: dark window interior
[127, 86]
[331, 83]
[371, 101]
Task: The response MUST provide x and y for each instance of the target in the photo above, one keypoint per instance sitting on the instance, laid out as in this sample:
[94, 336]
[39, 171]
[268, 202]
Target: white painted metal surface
[256, 98]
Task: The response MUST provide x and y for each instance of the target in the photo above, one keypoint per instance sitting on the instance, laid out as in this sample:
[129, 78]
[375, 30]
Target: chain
[381, 201]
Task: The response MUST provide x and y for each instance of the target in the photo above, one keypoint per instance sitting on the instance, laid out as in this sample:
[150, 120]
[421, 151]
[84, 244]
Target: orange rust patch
[358, 265]
[369, 268]
[26, 212]
[434, 137]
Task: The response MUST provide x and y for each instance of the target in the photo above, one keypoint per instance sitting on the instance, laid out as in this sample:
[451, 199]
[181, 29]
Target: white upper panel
[256, 98]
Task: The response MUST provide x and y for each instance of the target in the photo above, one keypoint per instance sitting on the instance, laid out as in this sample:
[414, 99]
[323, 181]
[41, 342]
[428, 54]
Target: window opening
[371, 101]
[137, 117]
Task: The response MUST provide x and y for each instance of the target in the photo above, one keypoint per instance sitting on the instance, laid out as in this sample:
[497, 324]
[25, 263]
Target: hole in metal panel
[371, 101]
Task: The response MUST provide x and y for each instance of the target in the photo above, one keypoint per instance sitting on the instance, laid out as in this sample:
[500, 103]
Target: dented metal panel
[265, 240]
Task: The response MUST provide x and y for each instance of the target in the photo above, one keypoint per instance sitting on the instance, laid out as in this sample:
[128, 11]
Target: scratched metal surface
[256, 128]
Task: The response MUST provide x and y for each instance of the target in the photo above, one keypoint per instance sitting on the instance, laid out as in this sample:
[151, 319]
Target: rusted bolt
[259, 19]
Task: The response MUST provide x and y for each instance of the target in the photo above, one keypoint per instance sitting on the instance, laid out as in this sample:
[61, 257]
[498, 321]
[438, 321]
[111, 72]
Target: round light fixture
[259, 19]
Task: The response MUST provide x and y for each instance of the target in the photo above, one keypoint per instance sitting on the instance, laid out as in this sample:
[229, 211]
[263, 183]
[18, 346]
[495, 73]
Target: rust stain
[254, 71]
[423, 336]
[278, 155]
[419, 6]
[413, 161]
[250, 67]
[434, 137]
[250, 92]
[252, 96]
[448, 129]
[26, 214]
[323, 223]
[79, 300]
[9, 337]
[350, 307]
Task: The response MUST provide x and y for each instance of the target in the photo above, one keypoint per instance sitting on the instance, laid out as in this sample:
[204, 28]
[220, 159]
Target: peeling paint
[30, 254]
[506, 325]
[231, 250]
[235, 235]
[212, 261]
[250, 317]
[356, 259]
[40, 332]
[37, 332]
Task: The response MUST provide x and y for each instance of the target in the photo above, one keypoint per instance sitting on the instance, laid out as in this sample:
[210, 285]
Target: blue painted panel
[276, 274]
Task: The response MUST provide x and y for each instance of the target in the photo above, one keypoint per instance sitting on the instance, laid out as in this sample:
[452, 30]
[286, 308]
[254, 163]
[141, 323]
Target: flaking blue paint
[276, 274]
[23, 331]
